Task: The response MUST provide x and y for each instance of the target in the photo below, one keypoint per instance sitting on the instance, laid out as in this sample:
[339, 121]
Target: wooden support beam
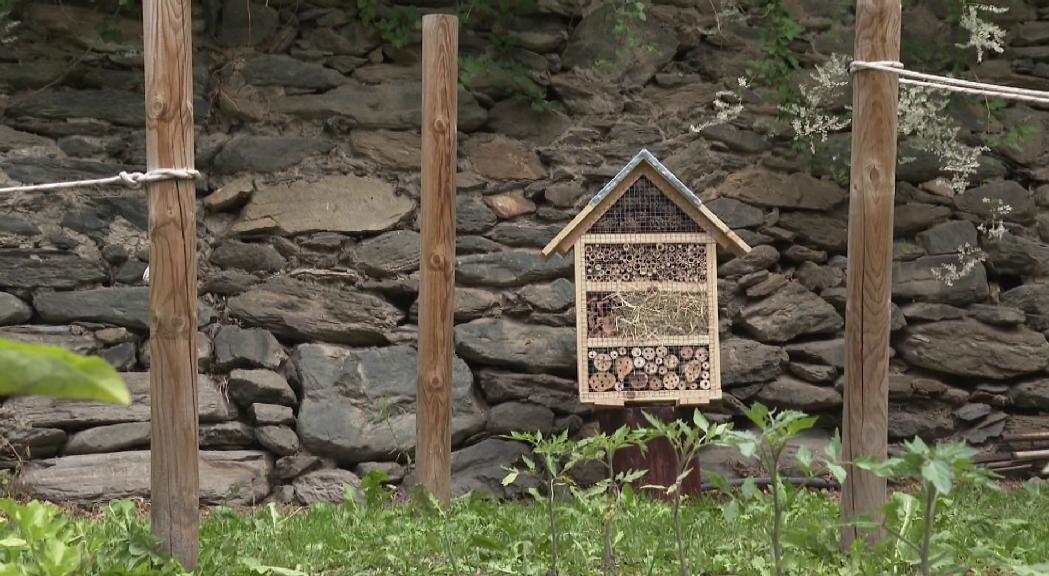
[869, 272]
[174, 476]
[437, 246]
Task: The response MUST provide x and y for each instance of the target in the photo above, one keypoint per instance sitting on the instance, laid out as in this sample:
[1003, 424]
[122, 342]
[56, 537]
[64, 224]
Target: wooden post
[174, 478]
[433, 438]
[659, 461]
[871, 196]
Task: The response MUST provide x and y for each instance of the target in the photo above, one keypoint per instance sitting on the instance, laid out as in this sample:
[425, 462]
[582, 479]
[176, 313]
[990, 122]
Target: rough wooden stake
[872, 188]
[174, 476]
[437, 247]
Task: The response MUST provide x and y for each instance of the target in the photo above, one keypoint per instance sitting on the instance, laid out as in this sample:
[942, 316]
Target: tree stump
[660, 460]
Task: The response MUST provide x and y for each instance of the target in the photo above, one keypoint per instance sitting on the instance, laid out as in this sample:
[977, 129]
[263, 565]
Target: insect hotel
[646, 289]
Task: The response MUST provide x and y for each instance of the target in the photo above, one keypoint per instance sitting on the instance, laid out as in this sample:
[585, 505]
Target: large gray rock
[232, 435]
[760, 257]
[1016, 255]
[1032, 298]
[482, 467]
[390, 149]
[249, 387]
[237, 347]
[26, 442]
[790, 312]
[746, 361]
[788, 392]
[283, 70]
[395, 105]
[13, 310]
[558, 394]
[984, 201]
[252, 257]
[47, 269]
[116, 106]
[510, 268]
[62, 336]
[359, 405]
[916, 216]
[127, 307]
[930, 420]
[342, 203]
[736, 214]
[388, 254]
[818, 230]
[552, 297]
[303, 311]
[326, 485]
[1033, 395]
[236, 477]
[472, 215]
[247, 153]
[73, 414]
[111, 438]
[271, 414]
[765, 188]
[917, 280]
[948, 237]
[520, 417]
[501, 158]
[973, 349]
[595, 39]
[514, 345]
[829, 352]
[280, 440]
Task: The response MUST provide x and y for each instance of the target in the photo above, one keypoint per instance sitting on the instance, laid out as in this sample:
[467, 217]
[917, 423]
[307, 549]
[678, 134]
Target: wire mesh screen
[644, 208]
[648, 368]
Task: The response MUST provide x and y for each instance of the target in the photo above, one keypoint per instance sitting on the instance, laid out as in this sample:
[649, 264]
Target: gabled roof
[646, 163]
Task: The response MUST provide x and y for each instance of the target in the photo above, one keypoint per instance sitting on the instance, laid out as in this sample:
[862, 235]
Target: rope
[130, 179]
[951, 84]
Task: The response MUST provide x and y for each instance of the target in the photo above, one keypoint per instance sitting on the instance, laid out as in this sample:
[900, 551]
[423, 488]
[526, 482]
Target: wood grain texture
[174, 476]
[437, 247]
[871, 194]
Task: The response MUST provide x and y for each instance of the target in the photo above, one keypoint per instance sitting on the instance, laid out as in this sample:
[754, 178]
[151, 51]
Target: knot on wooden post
[438, 262]
[440, 125]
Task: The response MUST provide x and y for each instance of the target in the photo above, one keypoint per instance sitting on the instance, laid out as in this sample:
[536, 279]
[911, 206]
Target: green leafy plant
[775, 430]
[396, 25]
[778, 62]
[33, 369]
[602, 448]
[37, 539]
[557, 456]
[911, 520]
[686, 440]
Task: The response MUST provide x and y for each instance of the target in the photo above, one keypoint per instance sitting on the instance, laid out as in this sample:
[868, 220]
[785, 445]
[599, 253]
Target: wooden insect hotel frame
[646, 289]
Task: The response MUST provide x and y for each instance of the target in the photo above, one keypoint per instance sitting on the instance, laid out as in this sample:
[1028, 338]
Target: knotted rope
[951, 84]
[130, 179]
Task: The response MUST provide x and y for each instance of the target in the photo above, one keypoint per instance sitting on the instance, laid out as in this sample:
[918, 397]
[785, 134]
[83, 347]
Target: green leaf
[511, 477]
[837, 470]
[804, 457]
[939, 474]
[33, 369]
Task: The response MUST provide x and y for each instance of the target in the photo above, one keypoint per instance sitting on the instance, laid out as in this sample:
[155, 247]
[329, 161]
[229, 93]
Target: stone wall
[307, 132]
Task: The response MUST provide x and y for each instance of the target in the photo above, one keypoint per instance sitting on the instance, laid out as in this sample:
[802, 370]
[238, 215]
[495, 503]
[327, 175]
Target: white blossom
[983, 34]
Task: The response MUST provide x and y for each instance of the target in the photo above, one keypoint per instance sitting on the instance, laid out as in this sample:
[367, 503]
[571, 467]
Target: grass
[985, 530]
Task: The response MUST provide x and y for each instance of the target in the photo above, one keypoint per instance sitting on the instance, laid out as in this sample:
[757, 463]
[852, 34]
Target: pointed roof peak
[703, 216]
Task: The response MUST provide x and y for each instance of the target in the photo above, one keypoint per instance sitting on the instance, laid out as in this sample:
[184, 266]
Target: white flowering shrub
[727, 106]
[813, 118]
[984, 36]
[951, 272]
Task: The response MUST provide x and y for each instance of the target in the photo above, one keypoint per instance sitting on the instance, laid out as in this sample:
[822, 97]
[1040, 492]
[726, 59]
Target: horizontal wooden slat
[692, 340]
[649, 238]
